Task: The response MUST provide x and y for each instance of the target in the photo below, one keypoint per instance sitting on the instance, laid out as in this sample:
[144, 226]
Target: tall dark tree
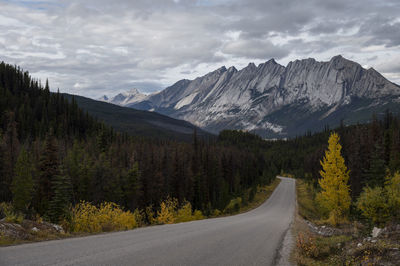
[132, 187]
[375, 175]
[22, 185]
[9, 149]
[48, 169]
[61, 200]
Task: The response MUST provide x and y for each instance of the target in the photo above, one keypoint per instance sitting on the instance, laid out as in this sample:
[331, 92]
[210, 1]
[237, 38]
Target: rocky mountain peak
[251, 65]
[133, 91]
[265, 98]
[232, 69]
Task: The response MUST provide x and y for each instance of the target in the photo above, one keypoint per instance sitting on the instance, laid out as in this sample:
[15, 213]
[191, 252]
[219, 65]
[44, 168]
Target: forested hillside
[370, 150]
[53, 155]
[139, 123]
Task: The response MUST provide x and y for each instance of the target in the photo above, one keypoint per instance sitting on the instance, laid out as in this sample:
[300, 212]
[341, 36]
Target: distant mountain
[138, 122]
[103, 98]
[125, 98]
[277, 101]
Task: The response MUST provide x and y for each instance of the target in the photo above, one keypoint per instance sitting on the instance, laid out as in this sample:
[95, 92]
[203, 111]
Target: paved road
[251, 238]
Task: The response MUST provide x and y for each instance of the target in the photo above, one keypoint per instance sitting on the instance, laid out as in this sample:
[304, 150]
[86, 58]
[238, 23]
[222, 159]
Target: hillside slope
[138, 122]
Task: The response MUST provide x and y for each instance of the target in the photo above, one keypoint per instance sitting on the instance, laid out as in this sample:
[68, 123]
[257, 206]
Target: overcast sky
[97, 47]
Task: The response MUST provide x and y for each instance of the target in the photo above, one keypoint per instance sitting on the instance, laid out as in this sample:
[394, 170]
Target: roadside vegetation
[86, 218]
[333, 229]
[59, 163]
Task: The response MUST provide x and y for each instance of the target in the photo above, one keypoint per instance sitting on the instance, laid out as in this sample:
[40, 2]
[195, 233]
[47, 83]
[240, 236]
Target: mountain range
[272, 100]
[126, 98]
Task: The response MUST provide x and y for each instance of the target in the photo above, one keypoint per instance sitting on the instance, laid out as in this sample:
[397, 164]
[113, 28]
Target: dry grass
[307, 205]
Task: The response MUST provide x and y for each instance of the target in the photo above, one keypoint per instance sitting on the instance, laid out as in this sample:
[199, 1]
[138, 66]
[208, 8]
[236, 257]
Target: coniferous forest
[54, 155]
[371, 151]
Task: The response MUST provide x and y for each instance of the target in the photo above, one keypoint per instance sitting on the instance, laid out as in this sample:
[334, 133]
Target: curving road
[251, 238]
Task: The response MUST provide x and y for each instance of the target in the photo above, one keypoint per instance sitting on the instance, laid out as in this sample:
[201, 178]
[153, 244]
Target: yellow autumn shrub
[170, 212]
[167, 212]
[184, 214]
[197, 215]
[107, 217]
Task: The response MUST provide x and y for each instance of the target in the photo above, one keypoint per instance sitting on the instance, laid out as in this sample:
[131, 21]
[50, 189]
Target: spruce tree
[375, 175]
[48, 170]
[9, 146]
[61, 186]
[132, 186]
[22, 184]
[335, 193]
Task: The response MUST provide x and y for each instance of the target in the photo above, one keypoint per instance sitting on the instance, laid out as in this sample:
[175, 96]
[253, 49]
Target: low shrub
[170, 213]
[373, 204]
[9, 214]
[86, 217]
[234, 205]
[381, 204]
[306, 245]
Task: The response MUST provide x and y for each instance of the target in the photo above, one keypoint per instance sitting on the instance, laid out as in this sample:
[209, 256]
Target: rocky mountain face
[125, 98]
[276, 101]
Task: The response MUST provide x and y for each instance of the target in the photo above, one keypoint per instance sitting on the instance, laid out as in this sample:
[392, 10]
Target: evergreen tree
[335, 194]
[22, 185]
[375, 175]
[48, 170]
[9, 146]
[132, 186]
[61, 186]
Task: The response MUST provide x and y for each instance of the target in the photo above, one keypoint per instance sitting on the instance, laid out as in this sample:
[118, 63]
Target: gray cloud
[254, 49]
[97, 47]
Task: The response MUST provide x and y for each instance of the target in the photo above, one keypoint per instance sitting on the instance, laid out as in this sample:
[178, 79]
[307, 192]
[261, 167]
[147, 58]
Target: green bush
[11, 216]
[381, 204]
[373, 204]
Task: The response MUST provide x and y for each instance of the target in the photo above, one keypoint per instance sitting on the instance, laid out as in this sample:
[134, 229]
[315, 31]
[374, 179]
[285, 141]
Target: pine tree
[22, 185]
[9, 146]
[375, 175]
[61, 186]
[132, 186]
[335, 194]
[48, 170]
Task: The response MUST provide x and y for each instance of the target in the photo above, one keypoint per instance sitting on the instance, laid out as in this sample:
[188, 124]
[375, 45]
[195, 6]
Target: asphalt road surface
[251, 238]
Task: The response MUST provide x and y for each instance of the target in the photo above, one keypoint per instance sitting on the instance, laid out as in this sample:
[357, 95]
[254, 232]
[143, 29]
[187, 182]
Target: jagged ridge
[249, 98]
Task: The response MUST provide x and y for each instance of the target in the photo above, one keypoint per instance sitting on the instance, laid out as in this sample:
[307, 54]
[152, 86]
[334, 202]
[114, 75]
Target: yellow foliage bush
[10, 215]
[381, 204]
[373, 204]
[184, 214]
[170, 212]
[216, 213]
[150, 215]
[197, 215]
[166, 214]
[234, 205]
[392, 188]
[86, 217]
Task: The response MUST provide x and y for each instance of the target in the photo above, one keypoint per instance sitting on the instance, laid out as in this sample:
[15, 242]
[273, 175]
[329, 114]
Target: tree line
[53, 154]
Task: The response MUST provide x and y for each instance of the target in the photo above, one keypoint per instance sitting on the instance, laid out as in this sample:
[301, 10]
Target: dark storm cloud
[97, 47]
